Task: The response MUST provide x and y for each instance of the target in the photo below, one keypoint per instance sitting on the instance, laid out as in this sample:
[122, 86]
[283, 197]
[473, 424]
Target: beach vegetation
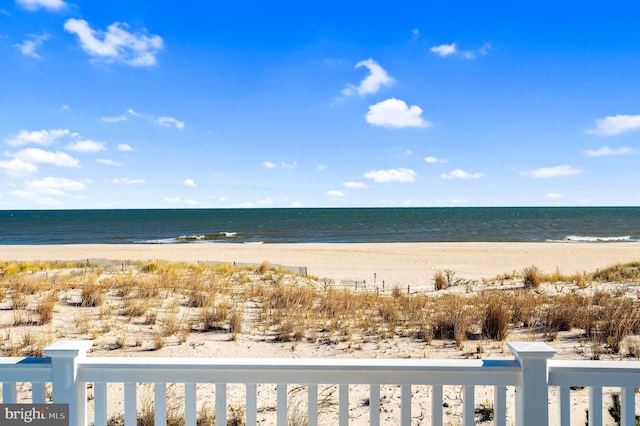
[163, 305]
[620, 272]
[532, 276]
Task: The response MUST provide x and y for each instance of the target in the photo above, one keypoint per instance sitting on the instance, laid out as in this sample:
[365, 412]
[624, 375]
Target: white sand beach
[412, 264]
[403, 263]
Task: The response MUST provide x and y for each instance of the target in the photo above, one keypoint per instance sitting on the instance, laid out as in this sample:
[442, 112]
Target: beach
[404, 264]
[394, 263]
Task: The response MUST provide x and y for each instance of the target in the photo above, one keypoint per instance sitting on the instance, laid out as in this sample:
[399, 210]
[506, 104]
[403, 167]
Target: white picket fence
[532, 372]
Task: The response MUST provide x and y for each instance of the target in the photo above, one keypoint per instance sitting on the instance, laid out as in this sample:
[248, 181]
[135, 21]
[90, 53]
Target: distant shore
[403, 263]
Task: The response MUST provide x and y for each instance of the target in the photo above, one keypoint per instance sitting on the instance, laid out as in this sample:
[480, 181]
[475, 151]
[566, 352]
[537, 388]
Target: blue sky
[147, 104]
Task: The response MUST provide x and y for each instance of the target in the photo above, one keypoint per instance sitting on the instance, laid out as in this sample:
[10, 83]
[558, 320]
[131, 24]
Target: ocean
[320, 225]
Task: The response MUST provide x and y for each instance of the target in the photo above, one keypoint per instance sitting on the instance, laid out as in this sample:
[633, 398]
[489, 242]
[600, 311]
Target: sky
[204, 104]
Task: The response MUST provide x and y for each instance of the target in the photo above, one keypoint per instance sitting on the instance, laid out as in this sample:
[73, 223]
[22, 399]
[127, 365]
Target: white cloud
[116, 44]
[461, 174]
[616, 124]
[108, 162]
[395, 113]
[444, 49]
[288, 165]
[191, 203]
[28, 47]
[37, 155]
[39, 137]
[605, 150]
[434, 160]
[298, 204]
[189, 182]
[415, 33]
[266, 202]
[452, 49]
[269, 165]
[124, 147]
[127, 181]
[554, 195]
[87, 146]
[44, 4]
[65, 107]
[549, 172]
[169, 121]
[377, 78]
[355, 185]
[134, 113]
[321, 167]
[17, 167]
[114, 119]
[54, 186]
[335, 193]
[392, 175]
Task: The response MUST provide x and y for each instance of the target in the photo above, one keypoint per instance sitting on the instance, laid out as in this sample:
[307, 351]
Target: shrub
[496, 316]
[533, 277]
[440, 280]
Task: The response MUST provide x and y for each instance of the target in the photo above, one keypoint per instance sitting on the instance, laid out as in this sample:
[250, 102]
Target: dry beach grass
[170, 308]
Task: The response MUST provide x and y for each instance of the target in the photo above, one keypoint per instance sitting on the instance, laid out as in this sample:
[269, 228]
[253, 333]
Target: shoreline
[402, 263]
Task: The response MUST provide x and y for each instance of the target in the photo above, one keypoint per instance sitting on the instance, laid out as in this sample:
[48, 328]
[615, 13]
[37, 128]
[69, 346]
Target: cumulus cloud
[133, 112]
[355, 185]
[605, 150]
[392, 175]
[434, 160]
[445, 50]
[616, 124]
[377, 78]
[189, 182]
[127, 181]
[42, 4]
[38, 137]
[124, 147]
[461, 174]
[108, 162]
[395, 113]
[114, 119]
[549, 172]
[335, 193]
[117, 43]
[53, 186]
[29, 47]
[554, 195]
[87, 146]
[170, 121]
[37, 155]
[17, 167]
[269, 165]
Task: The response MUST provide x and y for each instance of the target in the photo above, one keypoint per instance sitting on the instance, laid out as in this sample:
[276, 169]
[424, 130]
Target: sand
[406, 264]
[402, 263]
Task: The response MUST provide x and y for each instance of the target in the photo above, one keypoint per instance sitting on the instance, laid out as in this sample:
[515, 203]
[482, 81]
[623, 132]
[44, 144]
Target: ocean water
[332, 225]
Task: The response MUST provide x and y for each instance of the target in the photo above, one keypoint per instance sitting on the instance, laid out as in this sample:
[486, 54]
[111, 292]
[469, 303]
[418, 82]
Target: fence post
[532, 394]
[64, 356]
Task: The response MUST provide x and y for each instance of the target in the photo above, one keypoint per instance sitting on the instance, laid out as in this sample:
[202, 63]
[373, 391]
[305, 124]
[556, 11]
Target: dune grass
[149, 305]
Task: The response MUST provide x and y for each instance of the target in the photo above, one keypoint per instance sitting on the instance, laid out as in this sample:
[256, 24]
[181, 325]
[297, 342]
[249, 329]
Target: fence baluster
[405, 405]
[436, 405]
[130, 414]
[160, 404]
[312, 405]
[374, 405]
[281, 409]
[100, 404]
[252, 404]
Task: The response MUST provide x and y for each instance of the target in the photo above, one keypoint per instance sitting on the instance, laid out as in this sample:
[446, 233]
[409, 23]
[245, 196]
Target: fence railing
[64, 375]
